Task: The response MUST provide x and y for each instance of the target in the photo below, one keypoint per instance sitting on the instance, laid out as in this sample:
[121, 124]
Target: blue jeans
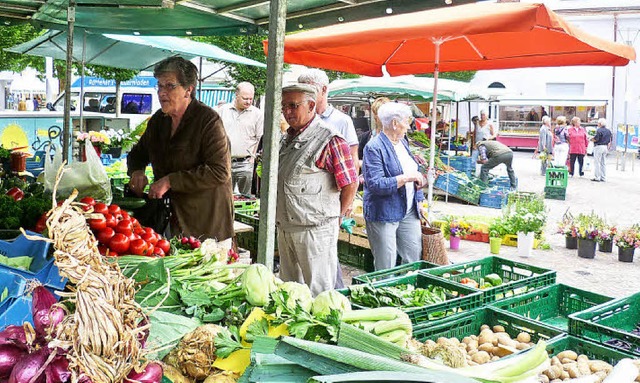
[390, 239]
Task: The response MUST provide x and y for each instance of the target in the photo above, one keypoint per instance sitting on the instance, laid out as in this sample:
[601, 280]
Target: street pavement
[618, 200]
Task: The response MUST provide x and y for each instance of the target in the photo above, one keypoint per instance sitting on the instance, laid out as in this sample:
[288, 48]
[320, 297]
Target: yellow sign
[14, 137]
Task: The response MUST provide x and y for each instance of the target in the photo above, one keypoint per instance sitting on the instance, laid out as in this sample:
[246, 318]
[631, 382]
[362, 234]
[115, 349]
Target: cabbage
[258, 283]
[329, 300]
[297, 292]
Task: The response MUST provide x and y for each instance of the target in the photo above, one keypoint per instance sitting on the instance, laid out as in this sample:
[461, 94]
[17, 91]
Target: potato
[573, 371]
[481, 357]
[567, 361]
[524, 337]
[501, 351]
[498, 328]
[543, 378]
[522, 346]
[484, 327]
[486, 347]
[487, 336]
[568, 354]
[494, 358]
[473, 351]
[598, 365]
[583, 366]
[472, 345]
[564, 375]
[443, 341]
[553, 372]
[555, 361]
[583, 357]
[466, 340]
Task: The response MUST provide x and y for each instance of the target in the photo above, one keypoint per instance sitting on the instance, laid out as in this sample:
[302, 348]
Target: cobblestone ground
[618, 200]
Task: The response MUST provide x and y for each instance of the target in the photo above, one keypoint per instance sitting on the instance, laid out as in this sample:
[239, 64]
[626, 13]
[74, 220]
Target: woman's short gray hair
[546, 119]
[393, 111]
[185, 71]
[602, 121]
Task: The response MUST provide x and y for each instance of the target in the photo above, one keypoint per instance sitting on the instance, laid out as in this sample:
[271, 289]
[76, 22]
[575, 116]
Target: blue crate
[15, 285]
[462, 163]
[42, 267]
[448, 183]
[494, 199]
[17, 312]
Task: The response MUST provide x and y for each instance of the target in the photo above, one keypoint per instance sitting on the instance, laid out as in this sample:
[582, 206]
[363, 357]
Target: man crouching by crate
[316, 185]
[492, 154]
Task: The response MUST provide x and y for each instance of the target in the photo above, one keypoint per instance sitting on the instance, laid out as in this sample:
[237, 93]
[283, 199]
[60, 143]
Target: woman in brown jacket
[187, 146]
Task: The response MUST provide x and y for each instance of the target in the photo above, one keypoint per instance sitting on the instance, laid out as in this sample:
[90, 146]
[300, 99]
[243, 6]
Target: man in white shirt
[244, 125]
[332, 116]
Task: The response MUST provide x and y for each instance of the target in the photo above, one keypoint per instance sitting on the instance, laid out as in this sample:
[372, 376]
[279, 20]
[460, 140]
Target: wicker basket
[434, 249]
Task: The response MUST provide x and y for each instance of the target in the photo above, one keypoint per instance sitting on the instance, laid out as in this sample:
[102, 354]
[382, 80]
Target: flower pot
[571, 242]
[494, 243]
[525, 243]
[586, 248]
[115, 152]
[454, 242]
[84, 154]
[605, 246]
[625, 254]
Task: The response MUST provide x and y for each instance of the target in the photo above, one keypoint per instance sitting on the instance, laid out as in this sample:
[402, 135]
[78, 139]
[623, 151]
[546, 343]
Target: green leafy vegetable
[22, 262]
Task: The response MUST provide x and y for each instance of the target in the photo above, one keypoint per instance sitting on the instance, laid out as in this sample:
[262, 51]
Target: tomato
[150, 249]
[164, 245]
[138, 247]
[104, 236]
[150, 238]
[138, 230]
[88, 200]
[114, 209]
[124, 214]
[149, 230]
[159, 252]
[41, 225]
[111, 221]
[100, 208]
[102, 249]
[113, 254]
[119, 243]
[124, 226]
[98, 223]
[135, 223]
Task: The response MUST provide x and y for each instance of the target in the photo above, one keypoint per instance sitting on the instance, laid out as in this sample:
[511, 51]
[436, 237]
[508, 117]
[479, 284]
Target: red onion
[152, 373]
[9, 356]
[44, 315]
[27, 368]
[58, 370]
[144, 334]
[13, 335]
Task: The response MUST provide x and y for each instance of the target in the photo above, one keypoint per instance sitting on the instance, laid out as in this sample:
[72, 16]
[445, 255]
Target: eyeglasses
[292, 106]
[168, 87]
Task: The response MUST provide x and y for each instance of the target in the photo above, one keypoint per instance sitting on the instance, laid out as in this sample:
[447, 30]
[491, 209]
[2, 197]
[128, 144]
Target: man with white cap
[316, 186]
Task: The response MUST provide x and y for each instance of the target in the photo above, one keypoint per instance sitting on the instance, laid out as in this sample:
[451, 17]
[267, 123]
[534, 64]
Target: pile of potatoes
[491, 344]
[569, 365]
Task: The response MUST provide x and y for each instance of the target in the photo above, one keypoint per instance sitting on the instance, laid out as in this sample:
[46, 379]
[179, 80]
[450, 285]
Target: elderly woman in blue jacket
[392, 191]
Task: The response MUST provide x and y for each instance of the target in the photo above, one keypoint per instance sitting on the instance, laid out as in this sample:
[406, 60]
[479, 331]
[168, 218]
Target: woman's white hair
[602, 121]
[393, 111]
[546, 119]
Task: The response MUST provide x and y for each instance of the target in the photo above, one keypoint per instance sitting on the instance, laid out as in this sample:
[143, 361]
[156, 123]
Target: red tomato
[113, 254]
[97, 223]
[164, 245]
[138, 230]
[138, 247]
[158, 252]
[119, 243]
[41, 224]
[150, 249]
[134, 236]
[102, 249]
[111, 221]
[124, 226]
[159, 237]
[88, 200]
[105, 235]
[149, 230]
[124, 214]
[150, 238]
[135, 222]
[100, 208]
[114, 209]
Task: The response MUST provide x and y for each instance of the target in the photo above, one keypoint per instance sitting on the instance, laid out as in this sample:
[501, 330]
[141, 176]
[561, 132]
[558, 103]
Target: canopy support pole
[84, 57]
[66, 127]
[431, 174]
[269, 182]
[200, 80]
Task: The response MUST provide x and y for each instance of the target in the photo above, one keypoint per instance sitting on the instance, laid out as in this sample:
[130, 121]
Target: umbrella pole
[431, 174]
[84, 57]
[71, 18]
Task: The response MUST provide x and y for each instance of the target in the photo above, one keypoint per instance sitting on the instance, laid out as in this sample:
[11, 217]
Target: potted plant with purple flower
[455, 228]
[627, 241]
[605, 238]
[587, 226]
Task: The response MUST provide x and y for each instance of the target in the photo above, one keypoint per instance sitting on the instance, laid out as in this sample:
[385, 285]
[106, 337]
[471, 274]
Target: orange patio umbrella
[466, 37]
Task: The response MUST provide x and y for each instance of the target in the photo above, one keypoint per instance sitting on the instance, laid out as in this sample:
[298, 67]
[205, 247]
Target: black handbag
[155, 213]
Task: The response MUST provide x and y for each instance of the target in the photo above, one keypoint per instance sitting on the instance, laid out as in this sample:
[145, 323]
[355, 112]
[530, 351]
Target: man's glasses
[292, 105]
[167, 87]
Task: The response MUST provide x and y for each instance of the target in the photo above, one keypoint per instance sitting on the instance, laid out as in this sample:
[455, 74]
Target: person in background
[187, 147]
[244, 124]
[601, 146]
[561, 138]
[533, 115]
[392, 191]
[333, 117]
[543, 112]
[577, 145]
[545, 143]
[483, 130]
[316, 186]
[375, 130]
[492, 154]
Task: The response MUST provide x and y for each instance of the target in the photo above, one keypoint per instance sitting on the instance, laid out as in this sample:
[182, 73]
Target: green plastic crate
[394, 272]
[355, 255]
[612, 320]
[555, 193]
[582, 346]
[248, 240]
[246, 206]
[467, 299]
[517, 278]
[469, 323]
[552, 305]
[557, 177]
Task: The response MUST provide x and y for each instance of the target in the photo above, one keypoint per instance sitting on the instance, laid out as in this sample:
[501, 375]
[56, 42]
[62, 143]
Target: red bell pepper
[16, 193]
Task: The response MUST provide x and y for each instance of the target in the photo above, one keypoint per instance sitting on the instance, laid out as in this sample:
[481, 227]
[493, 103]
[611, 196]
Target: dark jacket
[383, 200]
[197, 160]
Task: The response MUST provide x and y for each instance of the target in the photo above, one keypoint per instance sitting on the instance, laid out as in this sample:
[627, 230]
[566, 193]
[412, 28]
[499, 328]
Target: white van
[139, 98]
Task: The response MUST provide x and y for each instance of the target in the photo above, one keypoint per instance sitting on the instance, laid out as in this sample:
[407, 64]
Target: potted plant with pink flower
[568, 228]
[455, 228]
[627, 241]
[606, 233]
[98, 140]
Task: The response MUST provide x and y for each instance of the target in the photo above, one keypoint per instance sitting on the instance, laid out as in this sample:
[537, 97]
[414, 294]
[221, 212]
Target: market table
[239, 227]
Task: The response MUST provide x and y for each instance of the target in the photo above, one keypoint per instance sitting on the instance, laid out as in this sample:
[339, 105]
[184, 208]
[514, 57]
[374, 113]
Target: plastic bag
[90, 177]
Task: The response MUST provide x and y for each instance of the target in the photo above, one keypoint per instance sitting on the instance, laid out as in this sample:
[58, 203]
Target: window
[136, 103]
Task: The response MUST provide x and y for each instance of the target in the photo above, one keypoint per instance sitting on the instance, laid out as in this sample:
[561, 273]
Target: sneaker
[595, 180]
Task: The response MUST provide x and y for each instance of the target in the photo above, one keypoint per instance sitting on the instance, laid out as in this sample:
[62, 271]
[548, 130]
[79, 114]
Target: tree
[111, 73]
[14, 35]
